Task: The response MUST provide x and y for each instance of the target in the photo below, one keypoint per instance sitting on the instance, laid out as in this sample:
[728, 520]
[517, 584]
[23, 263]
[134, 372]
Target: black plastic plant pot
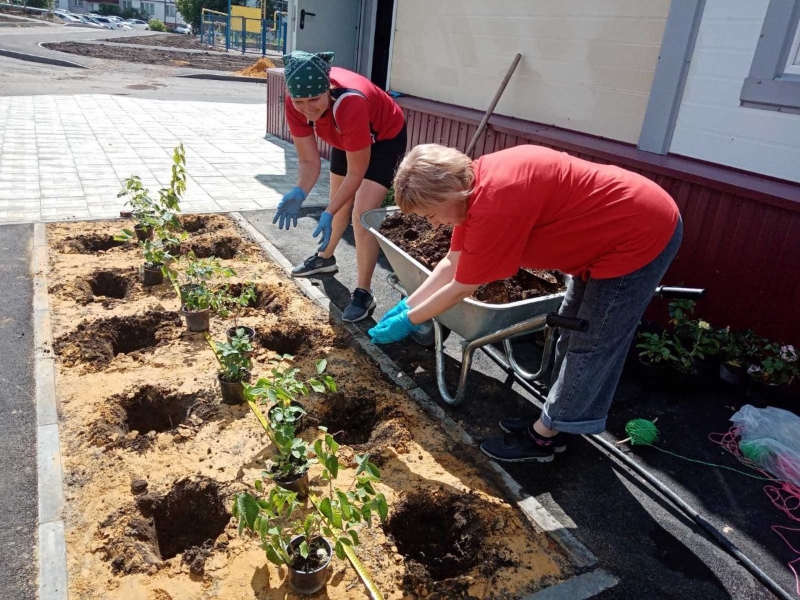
[651, 374]
[707, 367]
[679, 380]
[248, 331]
[311, 581]
[764, 393]
[197, 321]
[730, 374]
[152, 275]
[143, 233]
[232, 391]
[295, 483]
[298, 424]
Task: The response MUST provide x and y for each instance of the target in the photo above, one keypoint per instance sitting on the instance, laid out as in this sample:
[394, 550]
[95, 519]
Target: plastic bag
[770, 438]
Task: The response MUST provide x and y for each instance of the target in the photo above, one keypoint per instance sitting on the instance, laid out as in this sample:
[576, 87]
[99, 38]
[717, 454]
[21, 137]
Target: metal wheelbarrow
[478, 323]
[481, 324]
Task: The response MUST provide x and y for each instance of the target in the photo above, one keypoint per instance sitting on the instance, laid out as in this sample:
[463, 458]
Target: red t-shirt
[354, 115]
[539, 208]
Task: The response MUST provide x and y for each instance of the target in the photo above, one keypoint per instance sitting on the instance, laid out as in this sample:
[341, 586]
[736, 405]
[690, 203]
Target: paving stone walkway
[63, 157]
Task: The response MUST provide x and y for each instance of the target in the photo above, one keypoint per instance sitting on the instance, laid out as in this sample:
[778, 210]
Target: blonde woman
[367, 132]
[612, 231]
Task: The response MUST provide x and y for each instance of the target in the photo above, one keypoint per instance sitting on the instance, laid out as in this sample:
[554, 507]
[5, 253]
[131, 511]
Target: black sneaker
[519, 447]
[516, 425]
[360, 307]
[315, 264]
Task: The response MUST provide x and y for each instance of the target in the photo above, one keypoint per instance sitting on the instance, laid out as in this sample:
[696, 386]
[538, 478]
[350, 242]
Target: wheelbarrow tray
[470, 318]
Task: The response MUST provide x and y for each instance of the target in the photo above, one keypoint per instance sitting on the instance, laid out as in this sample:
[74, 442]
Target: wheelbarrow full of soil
[478, 323]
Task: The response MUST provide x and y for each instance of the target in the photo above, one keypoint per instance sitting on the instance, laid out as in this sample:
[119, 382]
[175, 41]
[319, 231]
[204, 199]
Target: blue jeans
[588, 365]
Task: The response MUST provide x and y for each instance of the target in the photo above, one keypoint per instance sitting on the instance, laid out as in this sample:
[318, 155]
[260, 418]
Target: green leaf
[383, 507]
[338, 548]
[321, 365]
[326, 509]
[344, 505]
[304, 549]
[259, 485]
[273, 556]
[332, 464]
[354, 535]
[248, 508]
[316, 386]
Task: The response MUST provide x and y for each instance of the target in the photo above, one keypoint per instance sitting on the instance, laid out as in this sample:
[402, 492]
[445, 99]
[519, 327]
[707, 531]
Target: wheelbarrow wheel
[426, 335]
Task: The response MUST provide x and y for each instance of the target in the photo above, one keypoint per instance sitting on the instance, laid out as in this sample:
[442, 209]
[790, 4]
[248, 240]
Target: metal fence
[243, 34]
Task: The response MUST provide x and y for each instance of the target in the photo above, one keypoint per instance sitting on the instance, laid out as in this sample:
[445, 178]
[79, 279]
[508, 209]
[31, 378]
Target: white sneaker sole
[542, 459]
[330, 269]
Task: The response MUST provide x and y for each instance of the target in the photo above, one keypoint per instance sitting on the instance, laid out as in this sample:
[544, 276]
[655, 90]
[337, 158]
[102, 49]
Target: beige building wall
[587, 65]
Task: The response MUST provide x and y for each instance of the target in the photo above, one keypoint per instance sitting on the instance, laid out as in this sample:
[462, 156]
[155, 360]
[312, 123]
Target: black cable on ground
[716, 535]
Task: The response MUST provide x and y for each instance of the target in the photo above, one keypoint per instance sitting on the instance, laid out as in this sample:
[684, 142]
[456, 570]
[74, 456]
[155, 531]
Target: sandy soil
[154, 56]
[150, 455]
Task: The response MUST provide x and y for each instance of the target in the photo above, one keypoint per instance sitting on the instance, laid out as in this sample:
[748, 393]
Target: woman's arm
[442, 274]
[357, 163]
[446, 297]
[308, 162]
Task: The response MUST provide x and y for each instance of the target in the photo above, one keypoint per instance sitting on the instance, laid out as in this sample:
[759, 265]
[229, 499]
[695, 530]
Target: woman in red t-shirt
[367, 132]
[613, 232]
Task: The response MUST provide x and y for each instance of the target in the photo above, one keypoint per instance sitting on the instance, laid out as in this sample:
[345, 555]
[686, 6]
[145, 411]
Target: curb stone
[40, 59]
[52, 544]
[580, 587]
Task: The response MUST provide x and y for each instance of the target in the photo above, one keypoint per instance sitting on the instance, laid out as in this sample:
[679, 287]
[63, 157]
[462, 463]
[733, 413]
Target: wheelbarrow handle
[680, 293]
[556, 320]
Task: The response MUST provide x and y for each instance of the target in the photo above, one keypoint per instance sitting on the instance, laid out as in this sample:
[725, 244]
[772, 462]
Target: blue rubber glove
[324, 227]
[395, 310]
[392, 329]
[289, 208]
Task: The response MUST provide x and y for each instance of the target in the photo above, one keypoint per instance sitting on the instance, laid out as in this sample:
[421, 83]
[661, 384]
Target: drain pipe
[611, 450]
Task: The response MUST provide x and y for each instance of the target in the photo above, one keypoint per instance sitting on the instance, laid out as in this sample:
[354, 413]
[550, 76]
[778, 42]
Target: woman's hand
[289, 208]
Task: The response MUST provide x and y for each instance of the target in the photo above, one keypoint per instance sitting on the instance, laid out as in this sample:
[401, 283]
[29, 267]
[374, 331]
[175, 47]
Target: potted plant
[282, 389]
[235, 365]
[655, 355]
[305, 543]
[704, 345]
[680, 312]
[198, 296]
[233, 304]
[738, 349]
[684, 363]
[777, 368]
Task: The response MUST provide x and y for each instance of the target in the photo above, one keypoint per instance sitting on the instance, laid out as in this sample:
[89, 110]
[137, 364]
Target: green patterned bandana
[307, 74]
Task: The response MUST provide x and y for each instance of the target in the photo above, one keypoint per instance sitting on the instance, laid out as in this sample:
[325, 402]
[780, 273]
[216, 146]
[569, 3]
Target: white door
[327, 25]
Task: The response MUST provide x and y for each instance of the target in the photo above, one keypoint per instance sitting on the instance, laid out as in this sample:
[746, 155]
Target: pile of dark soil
[429, 246]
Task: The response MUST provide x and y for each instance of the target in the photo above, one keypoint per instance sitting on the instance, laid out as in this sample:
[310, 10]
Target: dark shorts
[384, 158]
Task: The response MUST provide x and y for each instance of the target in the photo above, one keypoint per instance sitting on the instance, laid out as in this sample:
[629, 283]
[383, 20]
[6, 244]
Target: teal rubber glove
[324, 227]
[392, 329]
[395, 310]
[289, 208]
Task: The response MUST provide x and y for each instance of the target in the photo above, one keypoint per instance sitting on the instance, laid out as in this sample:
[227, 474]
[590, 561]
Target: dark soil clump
[268, 298]
[440, 531]
[429, 246]
[90, 244]
[97, 342]
[202, 223]
[350, 418]
[221, 247]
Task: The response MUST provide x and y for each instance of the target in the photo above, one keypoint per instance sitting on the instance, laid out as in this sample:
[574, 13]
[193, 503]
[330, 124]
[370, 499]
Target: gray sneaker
[360, 307]
[315, 264]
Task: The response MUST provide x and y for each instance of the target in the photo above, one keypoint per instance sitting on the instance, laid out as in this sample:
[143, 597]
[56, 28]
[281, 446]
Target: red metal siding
[742, 233]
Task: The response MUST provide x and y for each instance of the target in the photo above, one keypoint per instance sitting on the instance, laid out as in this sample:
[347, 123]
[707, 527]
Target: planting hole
[188, 518]
[440, 530]
[267, 297]
[98, 342]
[222, 247]
[350, 419]
[152, 408]
[90, 243]
[109, 284]
[202, 223]
[292, 338]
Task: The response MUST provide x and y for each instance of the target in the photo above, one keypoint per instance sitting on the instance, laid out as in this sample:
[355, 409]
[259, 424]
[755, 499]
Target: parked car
[184, 28]
[87, 21]
[138, 24]
[68, 19]
[112, 24]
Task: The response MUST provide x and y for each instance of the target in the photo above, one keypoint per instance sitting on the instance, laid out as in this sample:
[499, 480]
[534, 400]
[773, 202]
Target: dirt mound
[90, 244]
[257, 69]
[96, 343]
[429, 246]
[269, 298]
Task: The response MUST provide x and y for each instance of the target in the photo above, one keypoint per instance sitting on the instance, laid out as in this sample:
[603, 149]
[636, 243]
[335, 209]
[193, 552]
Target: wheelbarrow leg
[466, 363]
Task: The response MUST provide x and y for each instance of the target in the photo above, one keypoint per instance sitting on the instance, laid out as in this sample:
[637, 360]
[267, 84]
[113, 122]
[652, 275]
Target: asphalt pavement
[655, 550]
[18, 488]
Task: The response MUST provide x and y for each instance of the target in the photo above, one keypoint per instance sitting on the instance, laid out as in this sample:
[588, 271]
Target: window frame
[170, 7]
[770, 84]
[152, 4]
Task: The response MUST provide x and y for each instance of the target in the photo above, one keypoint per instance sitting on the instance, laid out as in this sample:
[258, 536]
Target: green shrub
[108, 9]
[156, 25]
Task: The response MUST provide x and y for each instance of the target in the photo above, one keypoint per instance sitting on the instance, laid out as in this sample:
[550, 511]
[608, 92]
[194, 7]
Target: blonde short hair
[432, 174]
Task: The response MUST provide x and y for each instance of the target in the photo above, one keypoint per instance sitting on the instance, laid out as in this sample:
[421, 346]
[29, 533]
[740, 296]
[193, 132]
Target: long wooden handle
[495, 100]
